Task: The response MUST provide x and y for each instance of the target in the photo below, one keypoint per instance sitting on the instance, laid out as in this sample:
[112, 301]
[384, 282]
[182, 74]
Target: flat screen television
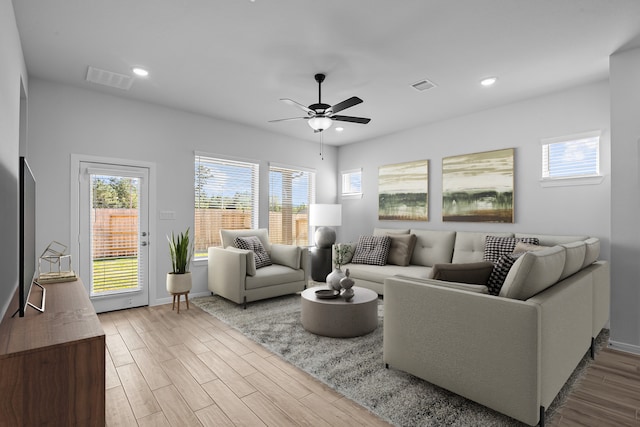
[27, 239]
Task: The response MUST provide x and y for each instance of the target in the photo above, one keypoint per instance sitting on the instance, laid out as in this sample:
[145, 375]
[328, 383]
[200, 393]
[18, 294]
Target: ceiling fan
[321, 116]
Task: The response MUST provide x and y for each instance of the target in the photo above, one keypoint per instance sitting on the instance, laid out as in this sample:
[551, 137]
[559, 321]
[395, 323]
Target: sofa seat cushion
[273, 275]
[377, 273]
[478, 289]
[372, 250]
[475, 273]
[534, 272]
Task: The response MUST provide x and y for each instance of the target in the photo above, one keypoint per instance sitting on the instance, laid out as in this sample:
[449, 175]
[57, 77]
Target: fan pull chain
[321, 146]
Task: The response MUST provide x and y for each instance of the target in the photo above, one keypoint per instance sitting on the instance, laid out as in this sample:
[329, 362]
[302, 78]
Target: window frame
[345, 178]
[227, 161]
[586, 179]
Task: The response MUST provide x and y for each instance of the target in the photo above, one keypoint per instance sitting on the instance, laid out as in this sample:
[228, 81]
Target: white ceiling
[234, 59]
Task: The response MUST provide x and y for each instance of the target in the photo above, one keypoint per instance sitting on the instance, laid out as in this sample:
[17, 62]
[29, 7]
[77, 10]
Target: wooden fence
[115, 231]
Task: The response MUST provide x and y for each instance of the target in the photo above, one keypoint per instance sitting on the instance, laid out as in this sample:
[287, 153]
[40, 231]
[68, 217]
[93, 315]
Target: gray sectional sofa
[512, 352]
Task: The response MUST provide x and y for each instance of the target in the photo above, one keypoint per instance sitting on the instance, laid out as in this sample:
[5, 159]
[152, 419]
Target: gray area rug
[354, 366]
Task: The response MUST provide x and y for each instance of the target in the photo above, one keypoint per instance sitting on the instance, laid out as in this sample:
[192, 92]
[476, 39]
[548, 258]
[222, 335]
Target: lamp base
[325, 237]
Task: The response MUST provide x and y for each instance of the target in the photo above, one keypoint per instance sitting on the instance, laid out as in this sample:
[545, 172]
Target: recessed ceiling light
[140, 72]
[489, 81]
[339, 129]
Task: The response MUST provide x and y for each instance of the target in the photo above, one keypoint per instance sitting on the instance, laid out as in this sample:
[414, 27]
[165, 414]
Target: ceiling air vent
[423, 85]
[109, 78]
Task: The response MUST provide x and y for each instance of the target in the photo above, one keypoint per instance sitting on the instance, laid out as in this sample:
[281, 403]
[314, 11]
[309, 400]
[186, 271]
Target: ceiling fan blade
[361, 120]
[297, 104]
[284, 120]
[354, 100]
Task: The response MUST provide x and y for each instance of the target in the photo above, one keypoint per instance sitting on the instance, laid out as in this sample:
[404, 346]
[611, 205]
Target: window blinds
[226, 197]
[291, 191]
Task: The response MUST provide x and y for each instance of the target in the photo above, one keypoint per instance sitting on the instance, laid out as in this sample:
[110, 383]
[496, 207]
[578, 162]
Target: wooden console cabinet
[52, 364]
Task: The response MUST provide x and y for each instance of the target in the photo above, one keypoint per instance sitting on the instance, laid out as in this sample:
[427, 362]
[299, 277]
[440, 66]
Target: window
[571, 158]
[352, 184]
[226, 197]
[291, 191]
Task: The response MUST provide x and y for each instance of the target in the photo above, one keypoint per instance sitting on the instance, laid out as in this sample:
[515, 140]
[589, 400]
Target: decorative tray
[327, 294]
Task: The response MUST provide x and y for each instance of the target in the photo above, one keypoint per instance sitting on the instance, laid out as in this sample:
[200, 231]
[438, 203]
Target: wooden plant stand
[176, 296]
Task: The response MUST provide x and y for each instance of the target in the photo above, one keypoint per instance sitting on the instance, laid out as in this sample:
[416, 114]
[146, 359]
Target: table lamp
[325, 216]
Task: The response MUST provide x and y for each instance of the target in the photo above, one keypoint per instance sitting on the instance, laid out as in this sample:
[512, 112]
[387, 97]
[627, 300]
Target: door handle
[144, 233]
[143, 243]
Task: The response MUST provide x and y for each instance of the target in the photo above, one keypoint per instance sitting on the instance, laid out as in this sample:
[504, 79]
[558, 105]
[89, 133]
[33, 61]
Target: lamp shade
[325, 215]
[320, 123]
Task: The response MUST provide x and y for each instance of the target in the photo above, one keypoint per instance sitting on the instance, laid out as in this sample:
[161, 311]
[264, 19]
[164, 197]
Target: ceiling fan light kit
[318, 124]
[321, 116]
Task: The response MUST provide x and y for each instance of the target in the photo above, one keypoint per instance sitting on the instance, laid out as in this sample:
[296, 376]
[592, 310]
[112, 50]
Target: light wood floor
[608, 395]
[165, 369]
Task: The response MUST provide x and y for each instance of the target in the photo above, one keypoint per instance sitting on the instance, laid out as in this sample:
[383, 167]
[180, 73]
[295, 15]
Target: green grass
[115, 274]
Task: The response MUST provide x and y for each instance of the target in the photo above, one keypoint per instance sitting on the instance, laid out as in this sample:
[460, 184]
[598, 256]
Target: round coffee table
[338, 318]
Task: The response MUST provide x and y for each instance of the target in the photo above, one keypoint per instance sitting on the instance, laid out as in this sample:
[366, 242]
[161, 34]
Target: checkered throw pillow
[372, 250]
[500, 271]
[495, 247]
[253, 243]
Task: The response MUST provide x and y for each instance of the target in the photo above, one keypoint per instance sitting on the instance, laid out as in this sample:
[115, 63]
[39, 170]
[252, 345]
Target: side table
[321, 264]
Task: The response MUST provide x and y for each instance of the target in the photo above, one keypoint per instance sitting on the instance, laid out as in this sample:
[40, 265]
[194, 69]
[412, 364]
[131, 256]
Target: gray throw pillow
[475, 273]
[401, 249]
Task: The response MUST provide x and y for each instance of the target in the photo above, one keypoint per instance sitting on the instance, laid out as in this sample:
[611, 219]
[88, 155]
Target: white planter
[178, 283]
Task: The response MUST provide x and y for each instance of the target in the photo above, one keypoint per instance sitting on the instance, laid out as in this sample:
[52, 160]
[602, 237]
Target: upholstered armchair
[233, 274]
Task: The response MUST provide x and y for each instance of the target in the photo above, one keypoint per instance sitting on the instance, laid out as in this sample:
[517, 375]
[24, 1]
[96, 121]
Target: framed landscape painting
[403, 191]
[478, 187]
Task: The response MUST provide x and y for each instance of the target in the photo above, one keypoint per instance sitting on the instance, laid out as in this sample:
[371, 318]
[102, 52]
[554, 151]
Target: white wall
[66, 120]
[558, 210]
[11, 71]
[625, 199]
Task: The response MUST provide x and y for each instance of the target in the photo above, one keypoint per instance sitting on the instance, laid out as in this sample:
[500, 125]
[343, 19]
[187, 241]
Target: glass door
[114, 252]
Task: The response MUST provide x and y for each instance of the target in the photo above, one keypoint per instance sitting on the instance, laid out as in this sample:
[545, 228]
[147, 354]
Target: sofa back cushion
[228, 237]
[533, 272]
[592, 251]
[552, 239]
[575, 257]
[432, 247]
[385, 231]
[469, 245]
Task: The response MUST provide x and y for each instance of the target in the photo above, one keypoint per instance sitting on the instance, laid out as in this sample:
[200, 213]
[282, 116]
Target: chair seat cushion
[273, 275]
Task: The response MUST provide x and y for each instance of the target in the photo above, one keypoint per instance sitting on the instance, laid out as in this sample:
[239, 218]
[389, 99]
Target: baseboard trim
[629, 348]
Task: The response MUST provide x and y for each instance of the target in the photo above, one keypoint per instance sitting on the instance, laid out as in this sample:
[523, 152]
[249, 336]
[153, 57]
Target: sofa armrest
[288, 255]
[227, 272]
[482, 347]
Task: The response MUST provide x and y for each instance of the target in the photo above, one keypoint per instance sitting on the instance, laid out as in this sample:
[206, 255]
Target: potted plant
[181, 251]
[340, 253]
